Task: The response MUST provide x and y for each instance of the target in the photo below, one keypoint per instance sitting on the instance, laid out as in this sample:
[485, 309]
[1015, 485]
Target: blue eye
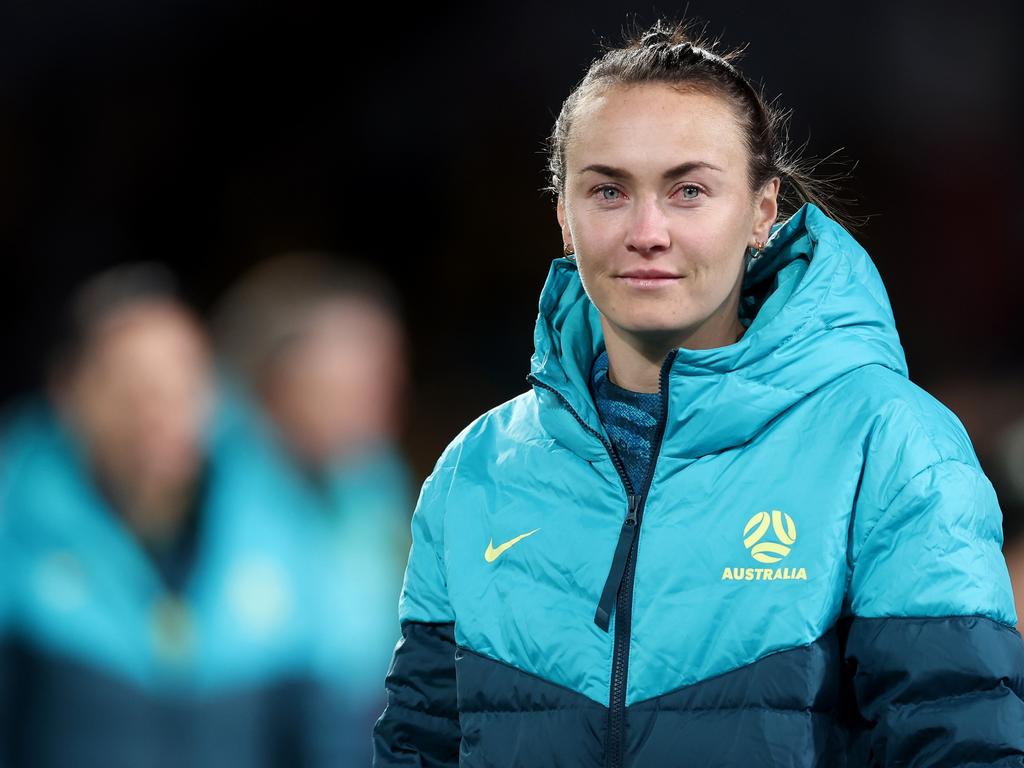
[603, 190]
[690, 188]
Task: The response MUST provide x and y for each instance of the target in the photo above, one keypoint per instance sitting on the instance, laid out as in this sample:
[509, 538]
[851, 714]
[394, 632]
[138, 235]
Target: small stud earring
[755, 250]
[569, 252]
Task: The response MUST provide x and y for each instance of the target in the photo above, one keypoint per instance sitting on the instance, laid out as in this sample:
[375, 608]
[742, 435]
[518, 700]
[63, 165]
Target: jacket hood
[817, 309]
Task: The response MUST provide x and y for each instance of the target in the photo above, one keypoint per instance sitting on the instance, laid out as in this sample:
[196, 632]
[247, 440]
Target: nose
[648, 228]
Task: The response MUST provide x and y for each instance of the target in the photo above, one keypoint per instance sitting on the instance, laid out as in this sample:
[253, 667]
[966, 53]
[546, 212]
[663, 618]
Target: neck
[155, 516]
[635, 360]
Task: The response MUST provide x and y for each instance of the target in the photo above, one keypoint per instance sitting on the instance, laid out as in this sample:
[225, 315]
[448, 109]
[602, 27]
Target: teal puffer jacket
[812, 575]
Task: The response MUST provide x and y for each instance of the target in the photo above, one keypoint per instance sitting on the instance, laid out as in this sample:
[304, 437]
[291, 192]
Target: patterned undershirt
[630, 418]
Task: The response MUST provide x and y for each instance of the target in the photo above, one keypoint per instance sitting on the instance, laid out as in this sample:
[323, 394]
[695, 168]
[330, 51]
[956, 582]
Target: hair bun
[656, 36]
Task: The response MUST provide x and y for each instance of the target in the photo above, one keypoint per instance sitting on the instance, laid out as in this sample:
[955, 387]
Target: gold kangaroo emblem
[492, 553]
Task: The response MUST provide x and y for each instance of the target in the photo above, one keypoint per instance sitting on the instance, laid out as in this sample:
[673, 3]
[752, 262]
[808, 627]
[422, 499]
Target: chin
[641, 324]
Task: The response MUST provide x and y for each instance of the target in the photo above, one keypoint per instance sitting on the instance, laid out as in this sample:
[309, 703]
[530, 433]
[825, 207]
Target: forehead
[145, 335]
[655, 124]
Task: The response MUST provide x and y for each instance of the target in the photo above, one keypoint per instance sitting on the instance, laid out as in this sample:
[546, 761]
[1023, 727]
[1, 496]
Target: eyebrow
[671, 173]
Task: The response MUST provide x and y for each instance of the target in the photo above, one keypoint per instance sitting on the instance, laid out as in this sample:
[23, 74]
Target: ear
[766, 209]
[562, 223]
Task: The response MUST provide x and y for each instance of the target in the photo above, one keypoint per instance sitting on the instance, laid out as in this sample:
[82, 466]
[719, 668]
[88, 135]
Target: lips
[647, 279]
[649, 274]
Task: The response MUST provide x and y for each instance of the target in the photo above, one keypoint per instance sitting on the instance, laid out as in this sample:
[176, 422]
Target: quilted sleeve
[937, 666]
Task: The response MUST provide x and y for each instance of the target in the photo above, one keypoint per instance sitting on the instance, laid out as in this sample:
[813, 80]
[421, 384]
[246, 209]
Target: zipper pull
[633, 503]
[611, 586]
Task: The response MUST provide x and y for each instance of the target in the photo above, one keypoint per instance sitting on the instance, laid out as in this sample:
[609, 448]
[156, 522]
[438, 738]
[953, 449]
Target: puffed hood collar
[819, 310]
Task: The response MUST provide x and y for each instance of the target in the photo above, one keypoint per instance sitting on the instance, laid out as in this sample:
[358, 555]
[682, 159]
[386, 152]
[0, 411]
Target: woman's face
[657, 205]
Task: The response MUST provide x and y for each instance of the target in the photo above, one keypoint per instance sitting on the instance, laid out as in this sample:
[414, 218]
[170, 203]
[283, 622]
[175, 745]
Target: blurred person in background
[314, 354]
[152, 607]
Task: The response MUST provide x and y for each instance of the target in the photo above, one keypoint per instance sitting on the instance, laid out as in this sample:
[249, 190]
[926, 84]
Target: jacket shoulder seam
[905, 485]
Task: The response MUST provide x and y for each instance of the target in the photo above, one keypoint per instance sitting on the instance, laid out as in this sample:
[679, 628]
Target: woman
[723, 527]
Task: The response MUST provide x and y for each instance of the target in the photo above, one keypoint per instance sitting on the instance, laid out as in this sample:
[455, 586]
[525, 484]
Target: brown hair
[668, 54]
[269, 309]
[101, 297]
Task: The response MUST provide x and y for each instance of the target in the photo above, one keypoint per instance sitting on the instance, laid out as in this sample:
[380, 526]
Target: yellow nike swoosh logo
[492, 553]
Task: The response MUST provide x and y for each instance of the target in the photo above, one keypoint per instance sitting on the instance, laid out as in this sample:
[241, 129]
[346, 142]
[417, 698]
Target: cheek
[595, 287]
[597, 253]
[715, 279]
[716, 266]
[715, 256]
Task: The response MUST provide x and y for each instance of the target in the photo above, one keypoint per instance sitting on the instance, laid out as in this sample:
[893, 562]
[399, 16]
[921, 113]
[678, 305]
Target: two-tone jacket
[811, 574]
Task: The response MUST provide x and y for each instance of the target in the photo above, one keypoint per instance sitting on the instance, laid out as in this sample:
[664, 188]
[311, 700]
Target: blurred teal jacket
[263, 645]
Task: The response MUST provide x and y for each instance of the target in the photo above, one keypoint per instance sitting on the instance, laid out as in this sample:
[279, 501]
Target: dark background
[208, 134]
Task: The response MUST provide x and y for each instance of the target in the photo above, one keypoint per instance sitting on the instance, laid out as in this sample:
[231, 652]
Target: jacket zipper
[619, 466]
[623, 569]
